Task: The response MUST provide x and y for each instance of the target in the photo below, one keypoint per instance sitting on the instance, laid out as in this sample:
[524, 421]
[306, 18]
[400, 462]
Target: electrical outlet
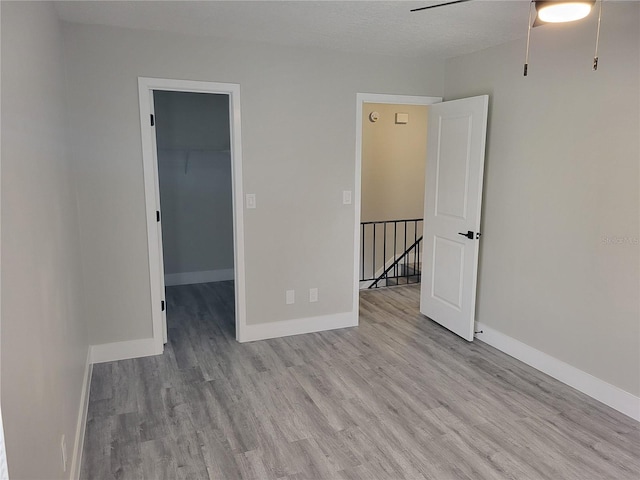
[63, 447]
[313, 295]
[290, 297]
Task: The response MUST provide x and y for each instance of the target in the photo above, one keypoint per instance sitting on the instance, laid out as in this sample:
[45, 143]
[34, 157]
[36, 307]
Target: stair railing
[385, 275]
[390, 249]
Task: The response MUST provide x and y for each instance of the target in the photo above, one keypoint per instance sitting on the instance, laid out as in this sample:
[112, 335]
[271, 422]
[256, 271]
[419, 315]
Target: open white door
[456, 136]
[156, 180]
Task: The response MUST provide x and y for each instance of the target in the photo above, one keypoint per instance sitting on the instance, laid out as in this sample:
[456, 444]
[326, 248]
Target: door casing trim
[146, 86]
[361, 99]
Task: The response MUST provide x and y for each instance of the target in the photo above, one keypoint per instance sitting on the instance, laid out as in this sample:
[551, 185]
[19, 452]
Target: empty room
[320, 240]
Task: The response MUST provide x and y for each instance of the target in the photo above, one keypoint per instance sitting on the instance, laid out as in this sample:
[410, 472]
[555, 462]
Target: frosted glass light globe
[553, 12]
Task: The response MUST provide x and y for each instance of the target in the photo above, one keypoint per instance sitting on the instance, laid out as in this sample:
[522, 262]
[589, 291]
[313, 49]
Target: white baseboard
[110, 352]
[188, 278]
[298, 326]
[76, 458]
[584, 382]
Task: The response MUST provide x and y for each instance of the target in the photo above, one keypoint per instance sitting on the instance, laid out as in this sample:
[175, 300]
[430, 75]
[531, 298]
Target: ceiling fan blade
[439, 5]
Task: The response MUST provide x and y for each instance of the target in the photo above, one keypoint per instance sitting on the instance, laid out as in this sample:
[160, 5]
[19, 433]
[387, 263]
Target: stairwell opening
[393, 152]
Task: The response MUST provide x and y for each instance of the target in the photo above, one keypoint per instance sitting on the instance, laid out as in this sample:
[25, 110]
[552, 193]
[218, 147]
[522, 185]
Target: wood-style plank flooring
[397, 397]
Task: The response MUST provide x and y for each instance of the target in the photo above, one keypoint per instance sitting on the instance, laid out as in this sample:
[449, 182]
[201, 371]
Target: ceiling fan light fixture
[559, 12]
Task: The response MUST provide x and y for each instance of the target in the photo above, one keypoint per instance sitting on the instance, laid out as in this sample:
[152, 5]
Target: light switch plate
[251, 200]
[346, 197]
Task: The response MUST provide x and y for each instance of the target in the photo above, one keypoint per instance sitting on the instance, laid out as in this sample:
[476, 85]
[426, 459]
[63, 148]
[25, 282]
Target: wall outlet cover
[313, 295]
[290, 297]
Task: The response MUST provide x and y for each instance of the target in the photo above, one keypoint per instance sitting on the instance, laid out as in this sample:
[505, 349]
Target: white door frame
[361, 99]
[146, 86]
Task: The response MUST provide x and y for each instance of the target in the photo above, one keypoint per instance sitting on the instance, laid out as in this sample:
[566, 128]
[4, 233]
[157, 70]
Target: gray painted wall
[298, 127]
[194, 169]
[44, 334]
[192, 120]
[559, 266]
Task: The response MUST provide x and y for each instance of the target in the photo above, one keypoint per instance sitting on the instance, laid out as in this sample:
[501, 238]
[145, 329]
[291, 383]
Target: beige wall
[44, 336]
[393, 162]
[559, 267]
[298, 133]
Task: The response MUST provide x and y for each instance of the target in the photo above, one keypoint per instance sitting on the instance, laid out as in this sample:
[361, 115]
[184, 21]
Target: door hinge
[162, 305]
[153, 120]
[157, 215]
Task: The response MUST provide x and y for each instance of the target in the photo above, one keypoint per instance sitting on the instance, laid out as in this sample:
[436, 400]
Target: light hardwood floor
[397, 397]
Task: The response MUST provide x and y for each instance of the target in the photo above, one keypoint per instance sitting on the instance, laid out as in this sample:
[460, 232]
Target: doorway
[394, 152]
[192, 162]
[196, 201]
[388, 216]
[456, 139]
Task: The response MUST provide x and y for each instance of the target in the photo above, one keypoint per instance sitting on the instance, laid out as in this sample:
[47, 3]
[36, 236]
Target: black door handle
[469, 234]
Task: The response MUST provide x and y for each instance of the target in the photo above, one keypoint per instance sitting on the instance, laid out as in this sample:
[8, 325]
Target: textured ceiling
[374, 27]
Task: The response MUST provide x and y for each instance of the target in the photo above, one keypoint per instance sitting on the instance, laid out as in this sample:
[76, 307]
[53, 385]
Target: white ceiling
[376, 27]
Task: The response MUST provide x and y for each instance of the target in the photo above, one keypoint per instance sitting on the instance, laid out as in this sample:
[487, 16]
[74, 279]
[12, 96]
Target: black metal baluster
[374, 252]
[419, 277]
[384, 249]
[404, 274]
[395, 248]
[415, 241]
